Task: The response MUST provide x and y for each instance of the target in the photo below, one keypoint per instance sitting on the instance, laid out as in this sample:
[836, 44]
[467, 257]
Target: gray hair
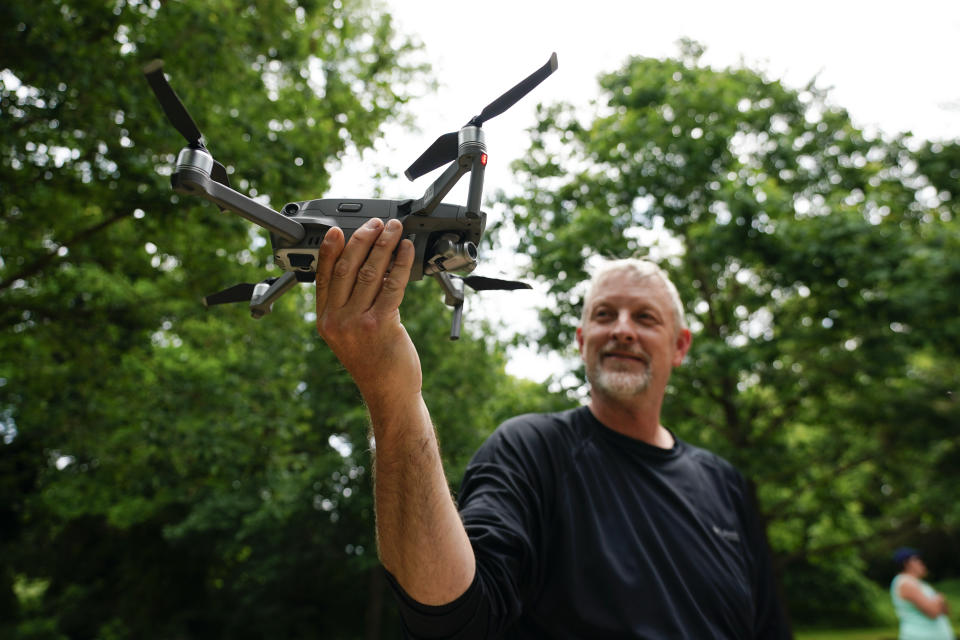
[643, 269]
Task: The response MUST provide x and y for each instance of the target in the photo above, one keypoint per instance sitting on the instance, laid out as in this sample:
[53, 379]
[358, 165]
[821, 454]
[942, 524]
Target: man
[592, 523]
[921, 610]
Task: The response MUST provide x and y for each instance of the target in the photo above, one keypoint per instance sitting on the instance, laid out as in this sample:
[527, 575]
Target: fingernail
[394, 224]
[373, 223]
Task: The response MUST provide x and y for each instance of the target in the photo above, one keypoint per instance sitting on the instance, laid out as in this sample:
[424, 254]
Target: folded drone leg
[457, 321]
[453, 296]
[264, 295]
[478, 166]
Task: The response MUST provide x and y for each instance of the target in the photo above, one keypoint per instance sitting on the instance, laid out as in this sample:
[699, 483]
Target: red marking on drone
[483, 159]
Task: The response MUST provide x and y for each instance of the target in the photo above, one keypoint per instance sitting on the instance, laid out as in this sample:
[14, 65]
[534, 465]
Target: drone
[445, 236]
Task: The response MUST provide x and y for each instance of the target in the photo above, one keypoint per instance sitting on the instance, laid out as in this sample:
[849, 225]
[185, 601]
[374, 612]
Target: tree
[817, 262]
[168, 471]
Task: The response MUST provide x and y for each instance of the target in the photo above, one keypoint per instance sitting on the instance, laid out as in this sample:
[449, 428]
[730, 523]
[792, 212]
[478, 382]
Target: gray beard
[621, 385]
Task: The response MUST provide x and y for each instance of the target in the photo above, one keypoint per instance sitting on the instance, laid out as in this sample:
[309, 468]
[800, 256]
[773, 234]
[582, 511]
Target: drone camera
[451, 254]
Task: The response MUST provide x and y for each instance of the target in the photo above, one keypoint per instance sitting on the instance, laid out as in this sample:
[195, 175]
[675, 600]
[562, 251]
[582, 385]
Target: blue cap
[903, 554]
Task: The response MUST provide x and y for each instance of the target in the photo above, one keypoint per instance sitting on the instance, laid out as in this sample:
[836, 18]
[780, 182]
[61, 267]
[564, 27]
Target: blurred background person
[921, 610]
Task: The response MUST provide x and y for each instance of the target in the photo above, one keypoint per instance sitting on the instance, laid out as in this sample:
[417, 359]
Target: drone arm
[438, 190]
[262, 302]
[198, 182]
[472, 157]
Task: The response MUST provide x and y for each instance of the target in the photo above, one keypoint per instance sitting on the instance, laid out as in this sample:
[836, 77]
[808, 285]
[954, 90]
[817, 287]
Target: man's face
[629, 341]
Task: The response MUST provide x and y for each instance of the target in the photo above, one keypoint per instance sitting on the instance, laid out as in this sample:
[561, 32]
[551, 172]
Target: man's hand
[358, 300]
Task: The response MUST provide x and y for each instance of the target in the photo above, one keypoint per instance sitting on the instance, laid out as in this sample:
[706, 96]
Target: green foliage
[834, 592]
[951, 591]
[882, 604]
[819, 266]
[166, 471]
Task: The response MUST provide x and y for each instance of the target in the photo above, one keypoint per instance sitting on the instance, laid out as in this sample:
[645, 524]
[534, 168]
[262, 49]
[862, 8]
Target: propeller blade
[219, 174]
[237, 293]
[512, 96]
[482, 283]
[177, 114]
[442, 151]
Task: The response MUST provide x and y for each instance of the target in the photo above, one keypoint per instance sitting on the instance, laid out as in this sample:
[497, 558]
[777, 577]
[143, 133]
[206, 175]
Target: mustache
[635, 351]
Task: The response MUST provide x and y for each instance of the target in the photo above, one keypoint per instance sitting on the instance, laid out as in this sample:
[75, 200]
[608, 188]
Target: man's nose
[624, 329]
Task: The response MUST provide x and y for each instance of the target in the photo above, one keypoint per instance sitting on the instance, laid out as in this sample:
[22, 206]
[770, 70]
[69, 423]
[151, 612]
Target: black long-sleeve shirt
[582, 532]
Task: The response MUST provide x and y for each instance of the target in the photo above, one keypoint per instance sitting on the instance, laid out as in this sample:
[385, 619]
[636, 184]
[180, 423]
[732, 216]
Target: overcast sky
[892, 65]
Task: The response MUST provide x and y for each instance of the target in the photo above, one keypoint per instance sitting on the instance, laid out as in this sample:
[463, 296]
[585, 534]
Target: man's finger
[395, 283]
[370, 275]
[344, 275]
[328, 254]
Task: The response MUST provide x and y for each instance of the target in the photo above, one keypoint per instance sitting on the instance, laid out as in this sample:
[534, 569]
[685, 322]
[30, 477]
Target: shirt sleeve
[461, 619]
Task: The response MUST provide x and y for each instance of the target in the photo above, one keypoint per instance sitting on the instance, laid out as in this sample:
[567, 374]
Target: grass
[848, 634]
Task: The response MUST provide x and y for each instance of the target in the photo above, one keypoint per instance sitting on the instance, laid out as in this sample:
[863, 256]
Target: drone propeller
[442, 151]
[444, 148]
[178, 115]
[513, 96]
[482, 283]
[242, 292]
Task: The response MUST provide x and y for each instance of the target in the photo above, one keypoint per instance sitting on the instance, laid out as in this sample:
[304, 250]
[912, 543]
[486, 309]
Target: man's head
[642, 269]
[632, 331]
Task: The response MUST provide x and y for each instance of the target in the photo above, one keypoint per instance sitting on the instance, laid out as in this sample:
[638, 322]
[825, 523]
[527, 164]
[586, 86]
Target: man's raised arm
[420, 536]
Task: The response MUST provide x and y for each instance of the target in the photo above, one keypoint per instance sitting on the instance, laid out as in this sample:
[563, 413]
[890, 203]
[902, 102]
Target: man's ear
[684, 339]
[580, 340]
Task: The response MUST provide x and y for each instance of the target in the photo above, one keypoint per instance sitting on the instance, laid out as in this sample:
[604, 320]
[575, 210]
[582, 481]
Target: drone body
[445, 236]
[450, 235]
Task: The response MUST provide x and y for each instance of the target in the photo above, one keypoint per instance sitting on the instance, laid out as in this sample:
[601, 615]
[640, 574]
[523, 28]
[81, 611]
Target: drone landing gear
[261, 295]
[453, 296]
[453, 287]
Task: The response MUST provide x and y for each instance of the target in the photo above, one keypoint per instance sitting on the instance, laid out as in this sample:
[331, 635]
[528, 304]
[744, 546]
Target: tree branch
[41, 263]
[774, 511]
[805, 552]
